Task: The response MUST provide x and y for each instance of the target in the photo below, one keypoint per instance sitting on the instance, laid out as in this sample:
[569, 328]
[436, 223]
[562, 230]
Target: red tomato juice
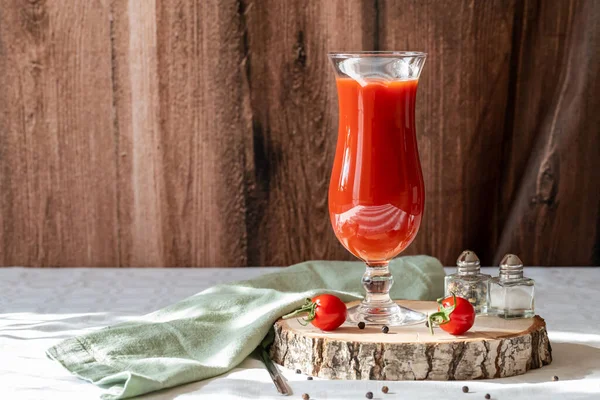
[376, 193]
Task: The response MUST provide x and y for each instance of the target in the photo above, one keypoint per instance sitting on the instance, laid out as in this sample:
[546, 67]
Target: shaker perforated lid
[468, 262]
[511, 267]
[510, 260]
[467, 256]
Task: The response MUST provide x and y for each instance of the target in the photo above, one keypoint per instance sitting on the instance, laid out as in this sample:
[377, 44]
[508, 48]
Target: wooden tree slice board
[493, 348]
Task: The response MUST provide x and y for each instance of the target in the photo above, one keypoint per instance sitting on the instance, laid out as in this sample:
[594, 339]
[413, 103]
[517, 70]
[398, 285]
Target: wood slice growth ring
[494, 348]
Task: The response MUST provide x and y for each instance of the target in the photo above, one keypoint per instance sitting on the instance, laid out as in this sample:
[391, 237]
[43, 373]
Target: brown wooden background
[201, 133]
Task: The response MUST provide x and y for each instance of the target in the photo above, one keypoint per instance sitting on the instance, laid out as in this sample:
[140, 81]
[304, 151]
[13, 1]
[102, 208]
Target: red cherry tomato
[326, 312]
[456, 315]
[330, 312]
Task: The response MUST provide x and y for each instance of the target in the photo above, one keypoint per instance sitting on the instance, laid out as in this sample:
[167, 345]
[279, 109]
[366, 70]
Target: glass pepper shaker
[511, 294]
[468, 281]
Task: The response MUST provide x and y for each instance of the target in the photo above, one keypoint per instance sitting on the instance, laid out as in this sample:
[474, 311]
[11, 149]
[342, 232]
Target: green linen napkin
[213, 331]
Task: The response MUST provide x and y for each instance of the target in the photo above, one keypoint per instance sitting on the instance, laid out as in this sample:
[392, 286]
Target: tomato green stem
[309, 308]
[443, 315]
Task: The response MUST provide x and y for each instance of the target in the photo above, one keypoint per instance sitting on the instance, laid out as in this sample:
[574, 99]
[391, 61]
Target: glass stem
[377, 308]
[377, 281]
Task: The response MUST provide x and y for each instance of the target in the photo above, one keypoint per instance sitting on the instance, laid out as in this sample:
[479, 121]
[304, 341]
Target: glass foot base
[390, 314]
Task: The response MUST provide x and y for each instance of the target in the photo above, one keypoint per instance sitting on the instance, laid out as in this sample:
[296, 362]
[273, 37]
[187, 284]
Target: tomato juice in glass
[376, 192]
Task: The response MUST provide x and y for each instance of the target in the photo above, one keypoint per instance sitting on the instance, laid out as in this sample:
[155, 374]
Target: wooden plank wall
[201, 133]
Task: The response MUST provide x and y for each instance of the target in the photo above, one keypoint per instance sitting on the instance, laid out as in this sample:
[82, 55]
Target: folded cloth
[213, 331]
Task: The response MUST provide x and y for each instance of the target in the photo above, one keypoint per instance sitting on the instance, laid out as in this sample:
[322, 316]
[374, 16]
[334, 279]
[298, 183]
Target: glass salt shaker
[468, 282]
[511, 294]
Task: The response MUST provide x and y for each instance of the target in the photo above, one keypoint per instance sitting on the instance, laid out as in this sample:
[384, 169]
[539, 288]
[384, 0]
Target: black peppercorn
[385, 329]
[385, 389]
[487, 396]
[369, 395]
[427, 324]
[555, 378]
[298, 371]
[361, 325]
[309, 378]
[465, 389]
[305, 396]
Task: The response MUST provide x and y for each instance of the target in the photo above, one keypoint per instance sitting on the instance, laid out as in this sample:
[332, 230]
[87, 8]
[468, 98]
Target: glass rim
[385, 53]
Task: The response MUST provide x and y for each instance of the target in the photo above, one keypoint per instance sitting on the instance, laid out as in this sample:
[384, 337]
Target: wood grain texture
[57, 145]
[201, 133]
[136, 120]
[493, 348]
[184, 128]
[550, 193]
[294, 122]
[460, 115]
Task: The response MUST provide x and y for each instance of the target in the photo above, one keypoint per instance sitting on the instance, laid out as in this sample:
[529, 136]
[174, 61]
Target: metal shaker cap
[510, 260]
[467, 256]
[468, 262]
[511, 267]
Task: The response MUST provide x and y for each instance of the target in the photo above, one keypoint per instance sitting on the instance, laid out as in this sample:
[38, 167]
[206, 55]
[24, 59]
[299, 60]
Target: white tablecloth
[39, 307]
